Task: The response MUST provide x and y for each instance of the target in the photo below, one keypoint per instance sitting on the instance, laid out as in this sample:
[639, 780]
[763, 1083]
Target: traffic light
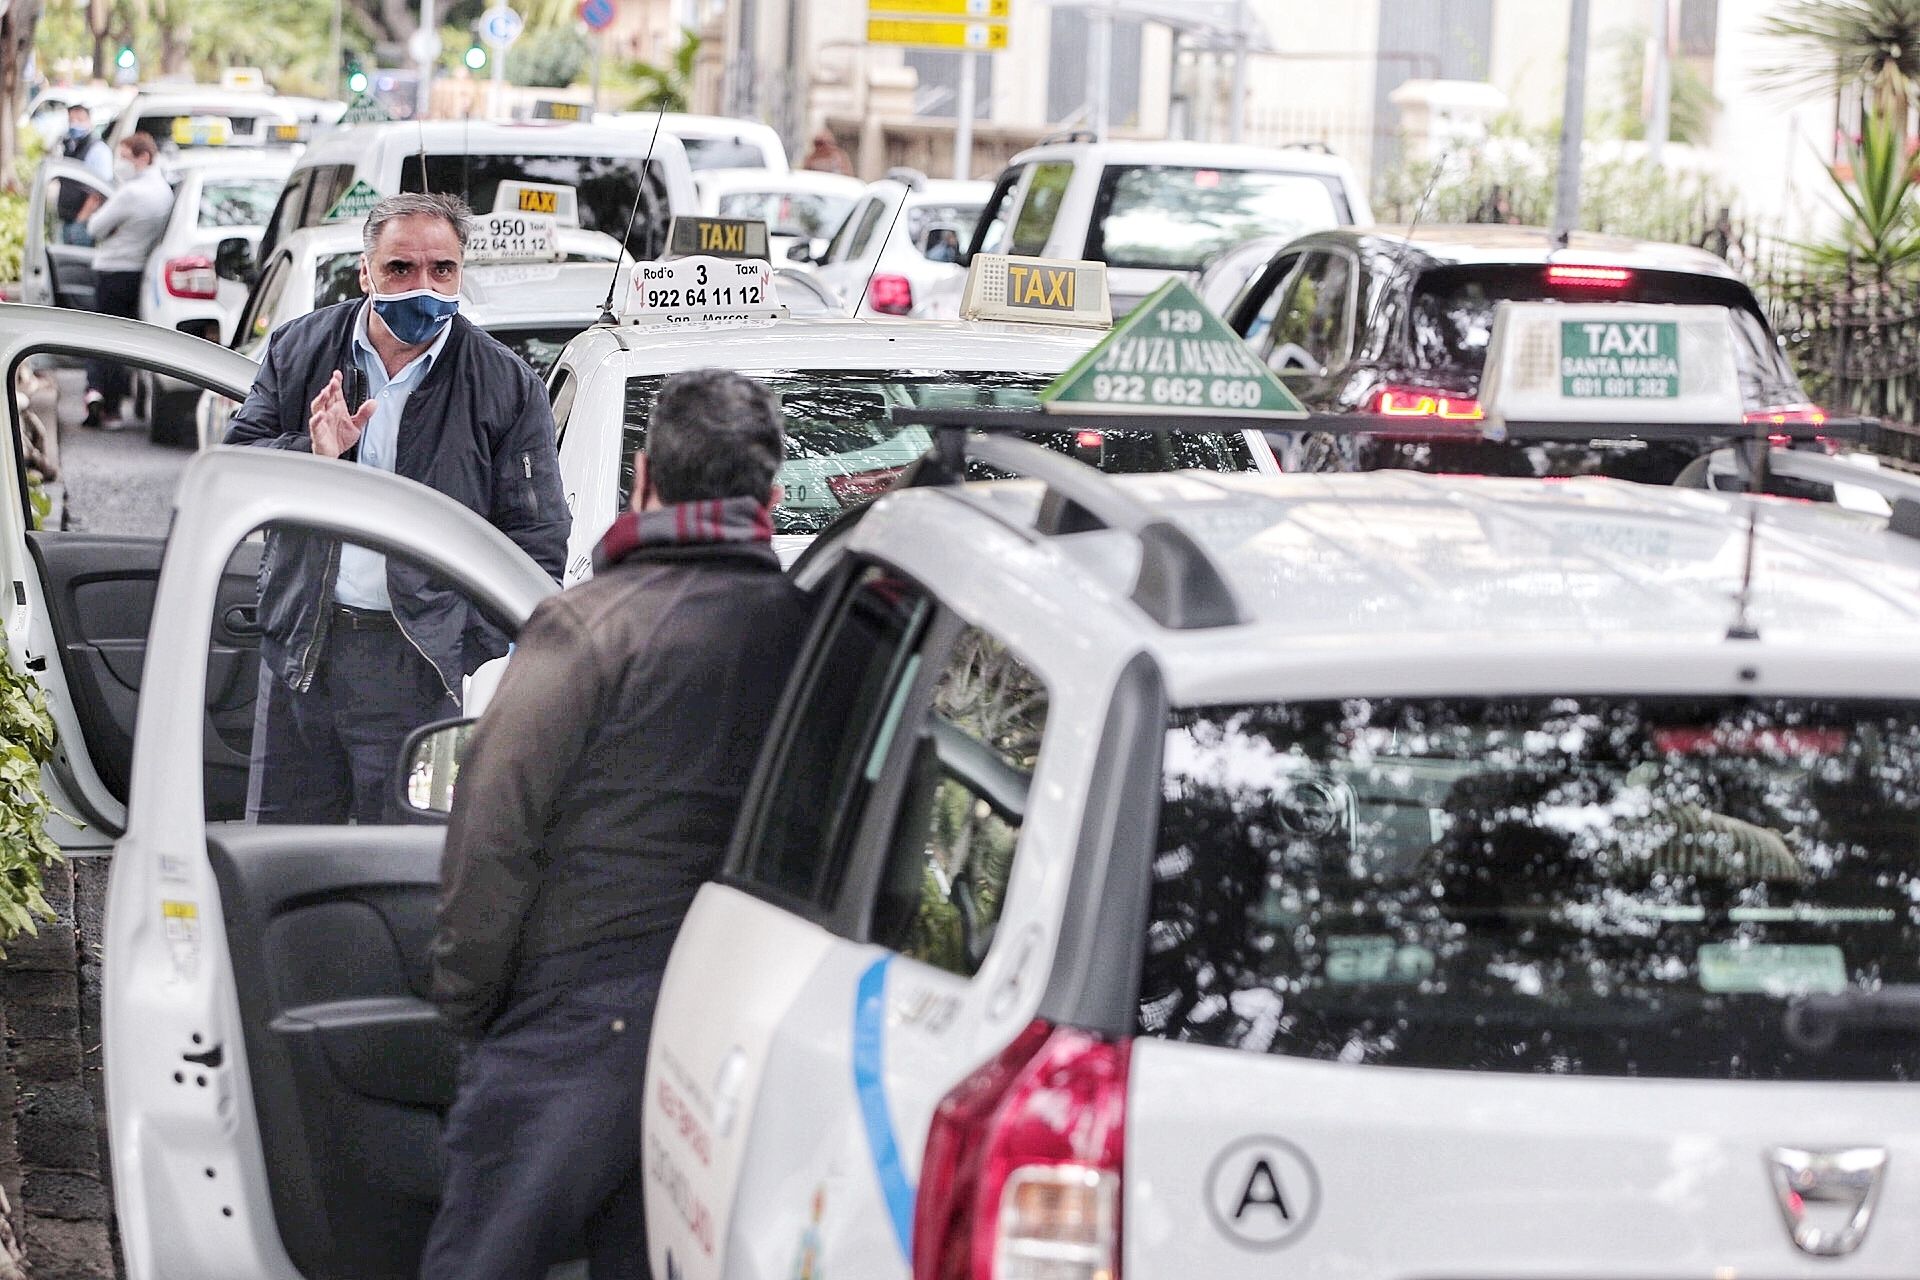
[351, 73]
[476, 56]
[126, 60]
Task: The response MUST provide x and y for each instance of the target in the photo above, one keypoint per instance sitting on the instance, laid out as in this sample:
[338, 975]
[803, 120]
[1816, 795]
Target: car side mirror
[802, 252]
[233, 260]
[429, 766]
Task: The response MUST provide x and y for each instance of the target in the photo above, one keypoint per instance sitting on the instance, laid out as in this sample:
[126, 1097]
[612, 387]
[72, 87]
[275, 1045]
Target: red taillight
[1022, 1175]
[1086, 440]
[1781, 415]
[192, 277]
[857, 487]
[890, 295]
[1567, 276]
[1426, 402]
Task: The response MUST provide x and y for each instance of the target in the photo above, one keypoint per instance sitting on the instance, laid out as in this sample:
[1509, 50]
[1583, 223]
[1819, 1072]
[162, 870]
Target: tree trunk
[16, 43]
[100, 25]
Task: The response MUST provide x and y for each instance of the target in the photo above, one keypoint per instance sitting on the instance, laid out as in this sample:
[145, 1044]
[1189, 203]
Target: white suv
[1152, 210]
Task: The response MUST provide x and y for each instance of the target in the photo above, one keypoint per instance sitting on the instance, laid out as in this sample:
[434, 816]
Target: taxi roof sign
[738, 238]
[354, 204]
[1036, 290]
[1610, 363]
[541, 199]
[1172, 355]
[701, 289]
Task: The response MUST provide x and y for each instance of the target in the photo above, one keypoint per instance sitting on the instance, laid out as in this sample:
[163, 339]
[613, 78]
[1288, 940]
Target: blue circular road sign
[597, 14]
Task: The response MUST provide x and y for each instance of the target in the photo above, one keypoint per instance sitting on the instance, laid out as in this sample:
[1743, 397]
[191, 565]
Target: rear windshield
[336, 276]
[1180, 219]
[1704, 888]
[789, 213]
[182, 130]
[238, 202]
[724, 153]
[843, 448]
[1450, 320]
[605, 184]
[938, 231]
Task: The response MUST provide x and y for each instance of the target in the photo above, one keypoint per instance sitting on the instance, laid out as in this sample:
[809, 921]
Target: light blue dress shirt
[363, 574]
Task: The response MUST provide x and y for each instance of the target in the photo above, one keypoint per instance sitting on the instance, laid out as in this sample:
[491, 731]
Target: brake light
[1086, 440]
[1426, 402]
[1781, 415]
[1022, 1176]
[192, 277]
[890, 295]
[1566, 276]
[858, 487]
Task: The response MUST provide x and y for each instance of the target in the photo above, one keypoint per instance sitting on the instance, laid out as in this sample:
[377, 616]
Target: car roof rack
[1178, 584]
[1068, 135]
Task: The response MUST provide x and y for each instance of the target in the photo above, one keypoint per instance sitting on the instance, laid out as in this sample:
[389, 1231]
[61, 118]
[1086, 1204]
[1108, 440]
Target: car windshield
[1713, 888]
[939, 231]
[789, 213]
[238, 202]
[1178, 218]
[336, 276]
[844, 449]
[723, 153]
[1450, 320]
[605, 185]
[539, 346]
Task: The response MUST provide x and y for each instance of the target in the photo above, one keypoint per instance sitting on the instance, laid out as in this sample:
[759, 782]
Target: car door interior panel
[352, 1070]
[100, 590]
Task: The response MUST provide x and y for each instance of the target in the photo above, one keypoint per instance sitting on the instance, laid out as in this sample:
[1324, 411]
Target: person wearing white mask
[124, 229]
[358, 649]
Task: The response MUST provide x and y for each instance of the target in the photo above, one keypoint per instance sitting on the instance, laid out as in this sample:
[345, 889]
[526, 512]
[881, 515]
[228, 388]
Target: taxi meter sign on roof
[722, 237]
[513, 237]
[1004, 287]
[1172, 355]
[1611, 363]
[702, 290]
[561, 203]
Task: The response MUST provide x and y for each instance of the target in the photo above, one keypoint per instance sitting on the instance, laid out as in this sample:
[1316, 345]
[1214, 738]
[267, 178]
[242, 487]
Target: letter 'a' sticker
[1262, 1193]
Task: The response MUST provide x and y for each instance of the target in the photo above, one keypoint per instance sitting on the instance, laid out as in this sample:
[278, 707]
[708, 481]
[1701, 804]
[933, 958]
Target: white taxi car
[1117, 896]
[900, 248]
[840, 383]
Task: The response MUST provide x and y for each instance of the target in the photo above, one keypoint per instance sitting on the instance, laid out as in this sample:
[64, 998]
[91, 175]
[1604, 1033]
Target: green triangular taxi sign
[366, 109]
[1172, 356]
[355, 203]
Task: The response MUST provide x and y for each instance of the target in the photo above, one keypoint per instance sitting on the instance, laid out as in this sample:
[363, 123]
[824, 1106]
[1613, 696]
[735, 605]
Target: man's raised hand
[332, 428]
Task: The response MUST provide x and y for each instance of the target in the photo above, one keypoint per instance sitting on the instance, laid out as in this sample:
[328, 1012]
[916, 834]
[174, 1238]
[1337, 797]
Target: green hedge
[26, 741]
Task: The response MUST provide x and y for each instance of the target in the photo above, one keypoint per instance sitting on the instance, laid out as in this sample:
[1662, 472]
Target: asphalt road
[116, 481]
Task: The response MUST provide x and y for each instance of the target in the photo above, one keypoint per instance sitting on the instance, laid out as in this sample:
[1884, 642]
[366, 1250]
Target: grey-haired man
[357, 649]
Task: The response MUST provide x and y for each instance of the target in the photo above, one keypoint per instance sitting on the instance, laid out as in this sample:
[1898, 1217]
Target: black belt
[352, 619]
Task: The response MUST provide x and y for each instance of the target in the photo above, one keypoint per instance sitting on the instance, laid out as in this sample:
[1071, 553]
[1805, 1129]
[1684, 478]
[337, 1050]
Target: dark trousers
[330, 753]
[115, 293]
[543, 1142]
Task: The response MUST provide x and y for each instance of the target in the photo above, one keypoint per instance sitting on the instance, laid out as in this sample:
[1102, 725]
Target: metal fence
[1854, 339]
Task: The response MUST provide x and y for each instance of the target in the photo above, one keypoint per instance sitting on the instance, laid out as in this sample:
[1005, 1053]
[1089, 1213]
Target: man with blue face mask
[358, 649]
[81, 144]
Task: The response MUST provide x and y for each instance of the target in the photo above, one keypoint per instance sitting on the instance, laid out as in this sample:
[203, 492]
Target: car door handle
[241, 620]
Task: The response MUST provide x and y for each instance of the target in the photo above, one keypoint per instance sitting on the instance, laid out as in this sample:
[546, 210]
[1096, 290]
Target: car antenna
[1742, 627]
[879, 253]
[1406, 245]
[606, 308]
[466, 155]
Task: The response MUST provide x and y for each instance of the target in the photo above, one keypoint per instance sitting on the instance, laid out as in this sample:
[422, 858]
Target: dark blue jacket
[477, 428]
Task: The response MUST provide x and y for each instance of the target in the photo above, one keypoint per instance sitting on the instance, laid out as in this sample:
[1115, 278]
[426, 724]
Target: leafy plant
[26, 742]
[1875, 43]
[1879, 179]
[668, 87]
[549, 59]
[1690, 101]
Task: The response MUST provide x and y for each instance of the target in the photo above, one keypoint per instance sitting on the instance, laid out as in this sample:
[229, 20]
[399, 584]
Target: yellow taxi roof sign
[1613, 363]
[540, 199]
[739, 238]
[1037, 291]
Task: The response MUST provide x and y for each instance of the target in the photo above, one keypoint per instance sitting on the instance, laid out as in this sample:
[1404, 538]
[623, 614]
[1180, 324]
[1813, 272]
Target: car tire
[171, 417]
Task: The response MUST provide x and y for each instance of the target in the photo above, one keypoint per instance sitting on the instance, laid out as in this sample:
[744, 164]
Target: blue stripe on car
[869, 1083]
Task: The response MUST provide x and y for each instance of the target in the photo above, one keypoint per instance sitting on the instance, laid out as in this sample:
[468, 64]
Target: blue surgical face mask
[77, 131]
[416, 316]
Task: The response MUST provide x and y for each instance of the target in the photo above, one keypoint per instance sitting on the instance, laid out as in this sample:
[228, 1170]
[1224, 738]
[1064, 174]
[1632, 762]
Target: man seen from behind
[597, 792]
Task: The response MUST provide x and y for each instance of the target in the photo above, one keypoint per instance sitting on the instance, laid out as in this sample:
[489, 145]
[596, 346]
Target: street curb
[50, 1141]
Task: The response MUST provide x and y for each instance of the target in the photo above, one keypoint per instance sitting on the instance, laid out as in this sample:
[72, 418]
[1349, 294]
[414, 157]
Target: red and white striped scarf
[685, 524]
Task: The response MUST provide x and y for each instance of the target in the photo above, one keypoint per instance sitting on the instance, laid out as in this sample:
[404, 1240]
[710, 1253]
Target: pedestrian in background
[826, 155]
[125, 226]
[597, 793]
[83, 146]
[357, 650]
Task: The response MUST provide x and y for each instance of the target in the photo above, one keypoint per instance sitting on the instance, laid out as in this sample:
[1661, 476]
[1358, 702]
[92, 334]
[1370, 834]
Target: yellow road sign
[976, 9]
[920, 33]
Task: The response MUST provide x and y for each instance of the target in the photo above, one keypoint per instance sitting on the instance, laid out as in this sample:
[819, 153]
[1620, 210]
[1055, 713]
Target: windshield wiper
[1815, 1022]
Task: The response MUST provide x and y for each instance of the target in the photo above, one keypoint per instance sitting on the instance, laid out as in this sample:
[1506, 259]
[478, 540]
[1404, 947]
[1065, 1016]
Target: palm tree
[670, 87]
[1872, 43]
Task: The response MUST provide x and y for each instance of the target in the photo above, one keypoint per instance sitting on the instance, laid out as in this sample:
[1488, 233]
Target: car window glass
[237, 202]
[837, 249]
[560, 396]
[869, 223]
[606, 186]
[336, 278]
[789, 213]
[836, 738]
[723, 153]
[327, 184]
[1313, 323]
[267, 296]
[290, 209]
[844, 448]
[1041, 206]
[1576, 885]
[993, 218]
[1282, 278]
[937, 229]
[958, 828]
[1179, 218]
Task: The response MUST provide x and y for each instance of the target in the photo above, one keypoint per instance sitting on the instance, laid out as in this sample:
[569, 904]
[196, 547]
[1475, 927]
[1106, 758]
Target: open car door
[54, 272]
[77, 604]
[275, 1081]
